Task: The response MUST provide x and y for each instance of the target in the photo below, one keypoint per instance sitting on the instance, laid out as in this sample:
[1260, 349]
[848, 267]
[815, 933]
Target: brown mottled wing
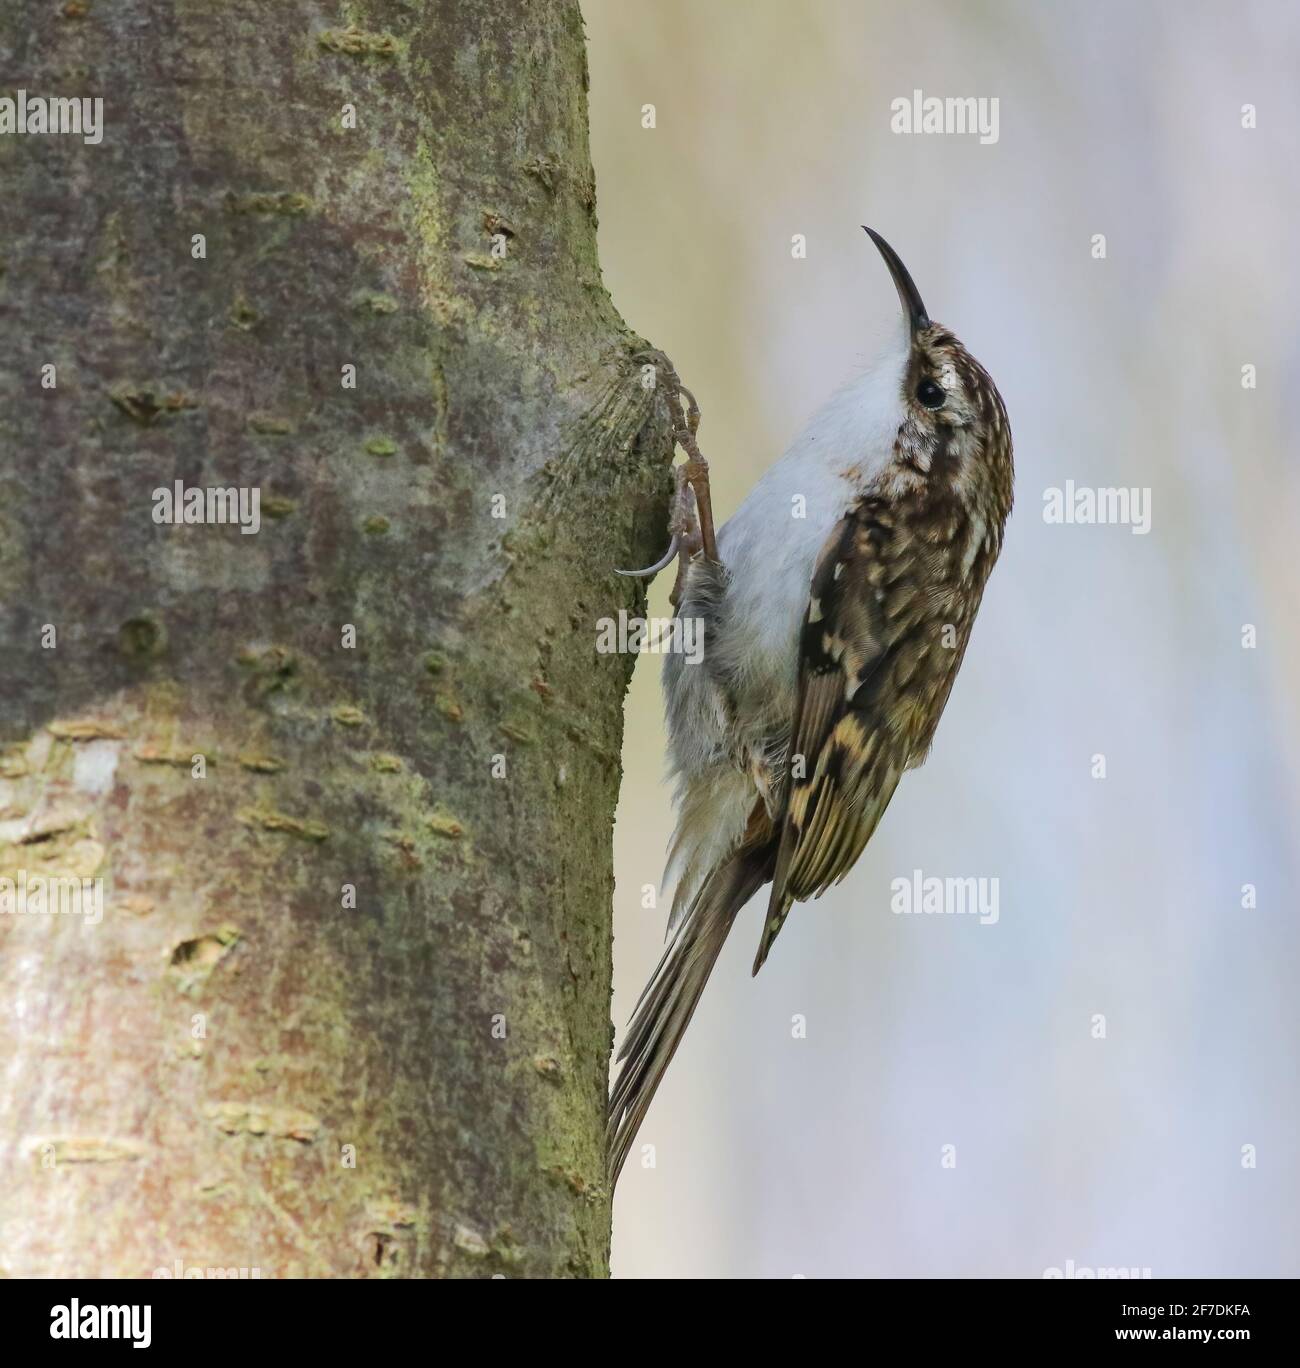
[850, 767]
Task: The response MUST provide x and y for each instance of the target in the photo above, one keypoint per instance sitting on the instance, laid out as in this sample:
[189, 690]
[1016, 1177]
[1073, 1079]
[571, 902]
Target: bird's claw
[661, 564]
[682, 526]
[691, 523]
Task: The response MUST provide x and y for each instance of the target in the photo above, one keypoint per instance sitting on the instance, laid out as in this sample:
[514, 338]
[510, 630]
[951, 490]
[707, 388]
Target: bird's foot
[690, 523]
[683, 529]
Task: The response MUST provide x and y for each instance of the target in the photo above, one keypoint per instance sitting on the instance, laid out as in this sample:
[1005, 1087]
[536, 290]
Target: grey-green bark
[183, 1080]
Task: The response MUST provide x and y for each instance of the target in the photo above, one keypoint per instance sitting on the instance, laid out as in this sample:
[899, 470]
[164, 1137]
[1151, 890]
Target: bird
[836, 605]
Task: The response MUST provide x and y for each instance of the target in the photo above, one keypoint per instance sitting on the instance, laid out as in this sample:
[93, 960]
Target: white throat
[772, 542]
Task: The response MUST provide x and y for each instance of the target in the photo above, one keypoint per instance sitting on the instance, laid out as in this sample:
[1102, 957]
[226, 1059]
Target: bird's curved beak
[908, 295]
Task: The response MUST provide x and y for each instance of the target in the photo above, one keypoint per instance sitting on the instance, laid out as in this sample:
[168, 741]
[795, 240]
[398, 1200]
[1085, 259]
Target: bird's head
[954, 429]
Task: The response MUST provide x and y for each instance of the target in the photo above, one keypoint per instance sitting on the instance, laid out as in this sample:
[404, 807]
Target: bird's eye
[930, 394]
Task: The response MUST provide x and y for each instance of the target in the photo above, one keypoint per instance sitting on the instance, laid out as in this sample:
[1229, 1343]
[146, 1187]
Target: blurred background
[1120, 897]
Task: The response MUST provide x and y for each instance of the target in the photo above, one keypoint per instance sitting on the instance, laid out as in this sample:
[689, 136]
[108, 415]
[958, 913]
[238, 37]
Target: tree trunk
[389, 696]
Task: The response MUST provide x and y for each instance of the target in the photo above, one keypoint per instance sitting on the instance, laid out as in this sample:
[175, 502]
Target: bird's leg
[691, 521]
[686, 531]
[681, 527]
[696, 468]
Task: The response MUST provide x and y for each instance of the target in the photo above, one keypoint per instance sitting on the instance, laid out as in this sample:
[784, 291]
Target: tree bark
[235, 1068]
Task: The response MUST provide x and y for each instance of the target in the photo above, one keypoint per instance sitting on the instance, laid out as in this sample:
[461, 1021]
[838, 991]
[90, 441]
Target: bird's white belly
[770, 548]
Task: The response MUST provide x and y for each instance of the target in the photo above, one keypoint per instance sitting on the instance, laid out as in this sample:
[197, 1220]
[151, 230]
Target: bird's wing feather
[843, 763]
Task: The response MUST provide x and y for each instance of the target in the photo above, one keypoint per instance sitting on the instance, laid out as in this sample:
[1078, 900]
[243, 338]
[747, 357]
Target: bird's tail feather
[669, 1000]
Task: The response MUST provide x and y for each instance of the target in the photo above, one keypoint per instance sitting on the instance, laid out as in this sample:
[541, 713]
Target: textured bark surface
[183, 1080]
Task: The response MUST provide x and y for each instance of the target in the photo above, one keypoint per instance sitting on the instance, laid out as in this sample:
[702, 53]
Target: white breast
[769, 549]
